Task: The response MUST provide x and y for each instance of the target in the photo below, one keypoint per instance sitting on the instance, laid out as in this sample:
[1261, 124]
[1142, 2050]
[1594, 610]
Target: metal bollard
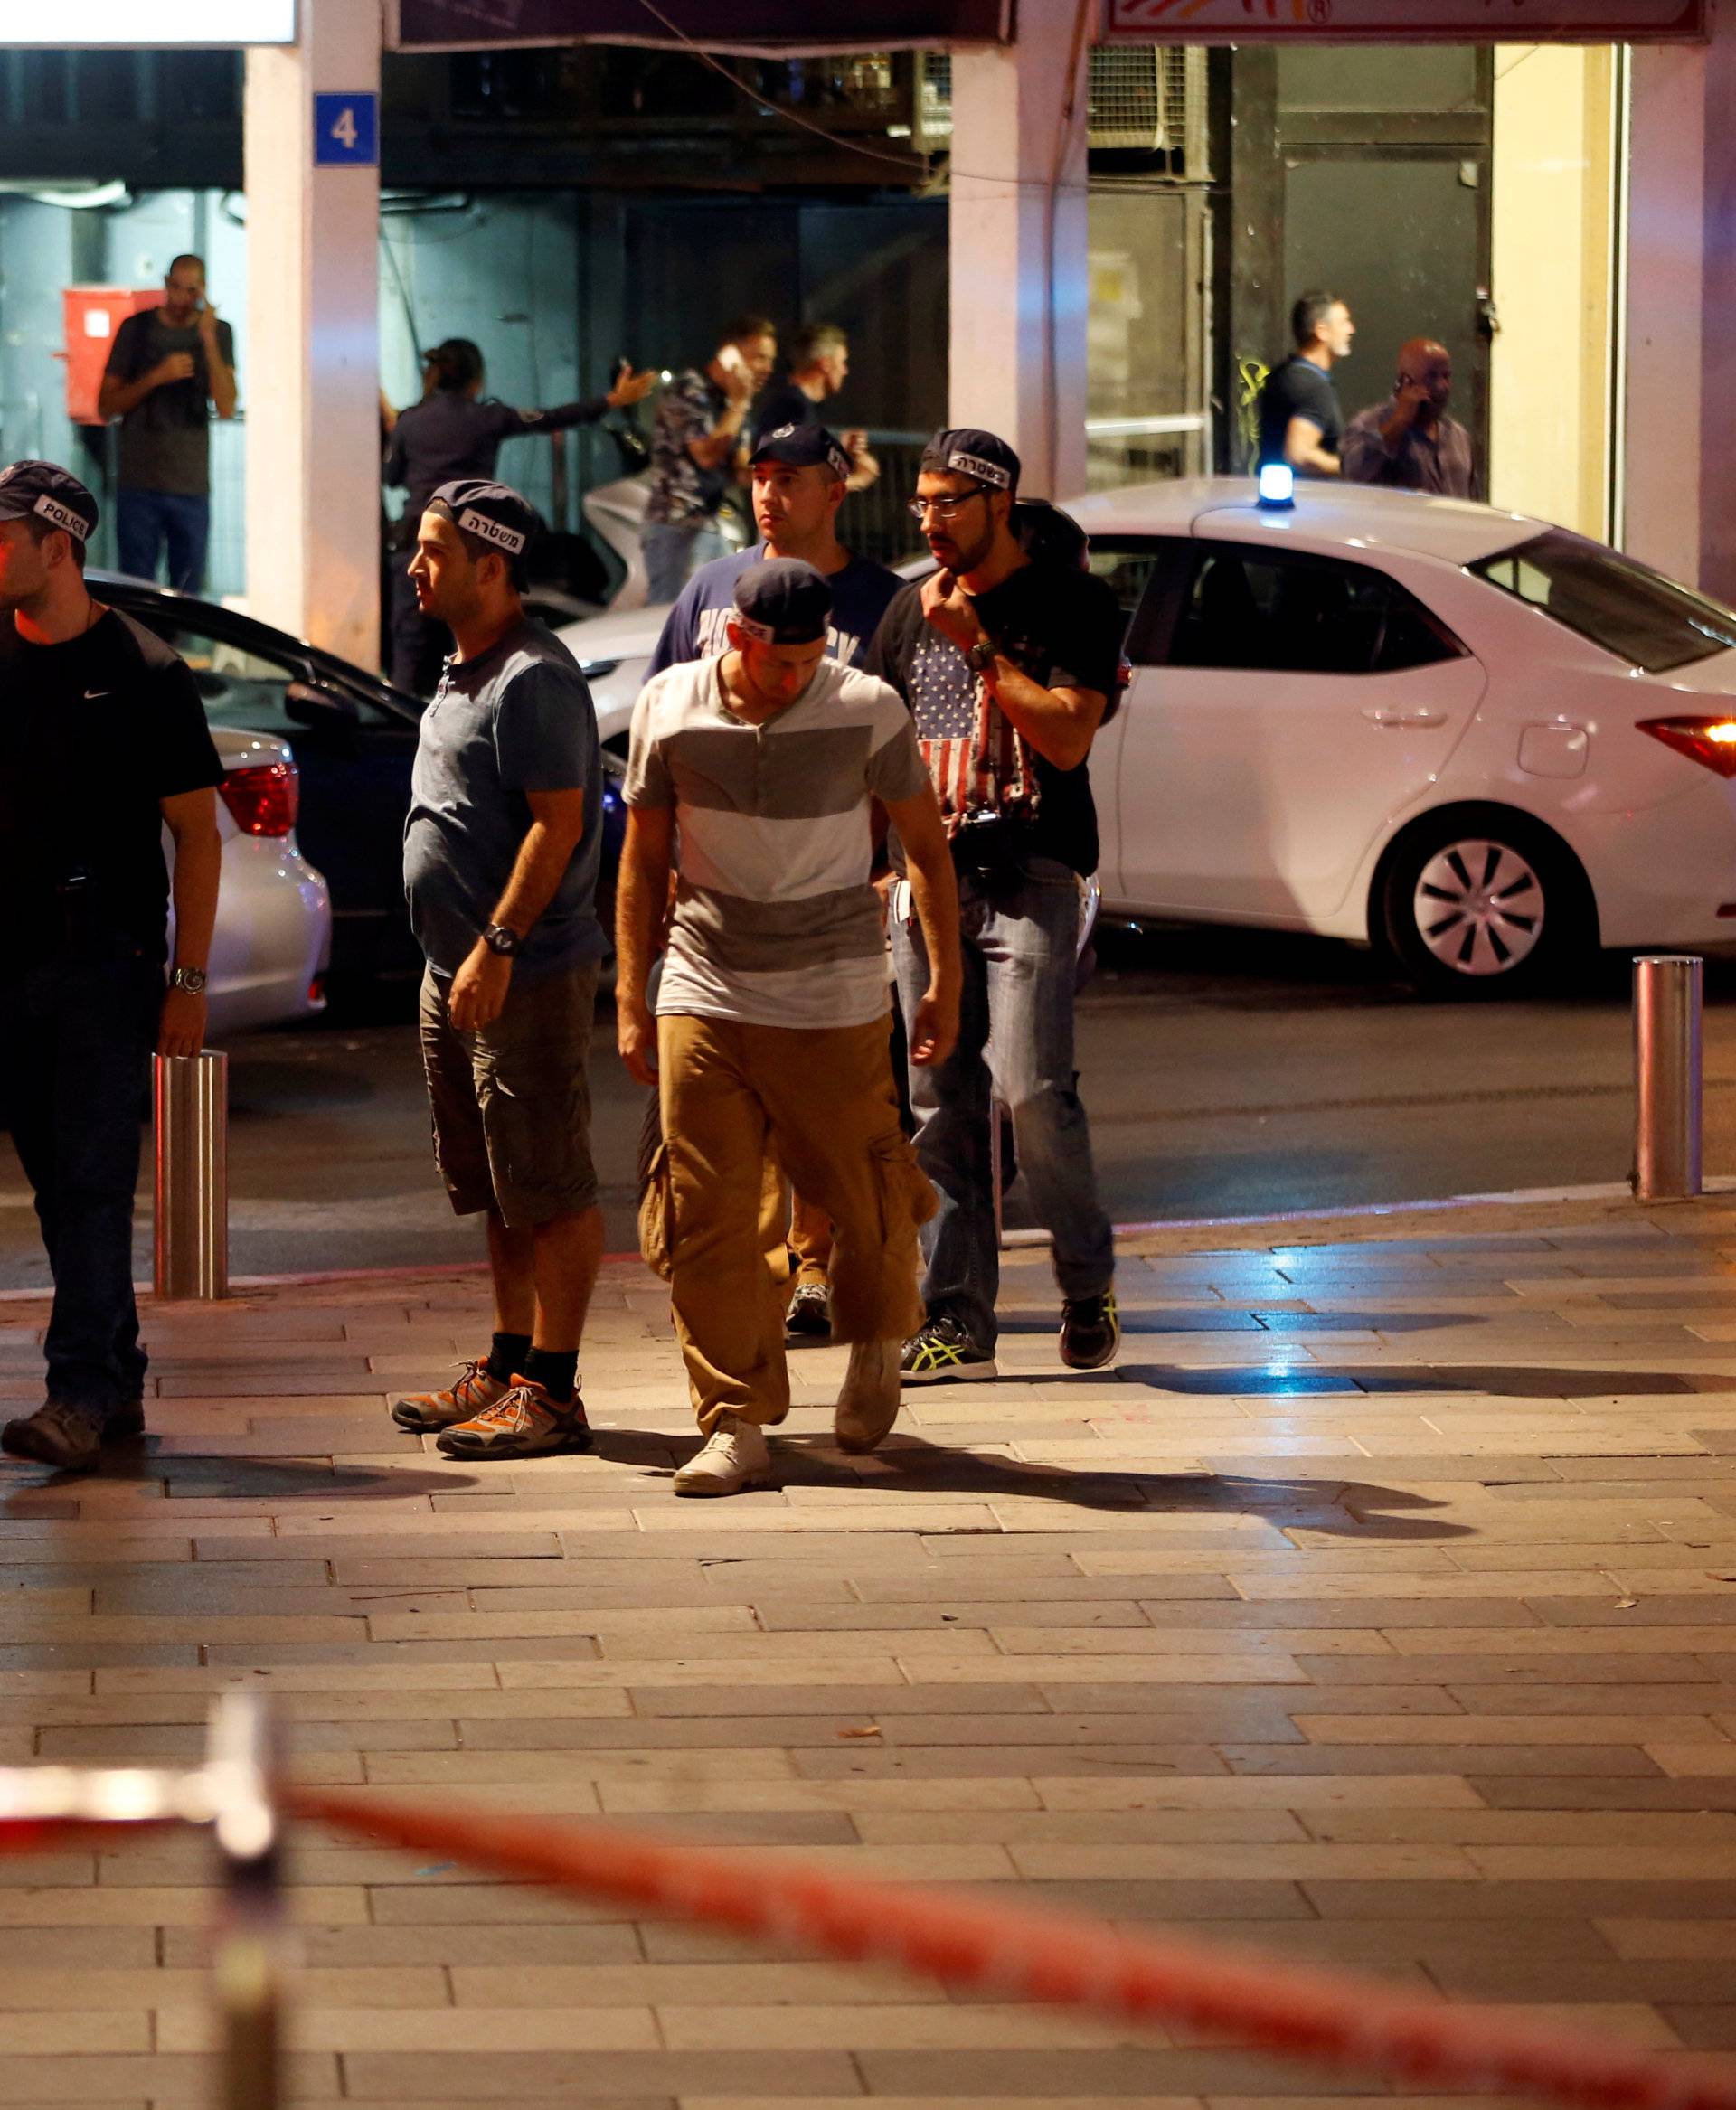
[1668, 993]
[249, 1958]
[190, 1098]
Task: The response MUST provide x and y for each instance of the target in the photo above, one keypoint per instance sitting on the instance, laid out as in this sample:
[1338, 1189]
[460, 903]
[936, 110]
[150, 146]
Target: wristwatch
[499, 938]
[190, 979]
[982, 655]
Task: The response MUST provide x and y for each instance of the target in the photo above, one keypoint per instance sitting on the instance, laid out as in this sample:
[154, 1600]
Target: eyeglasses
[944, 510]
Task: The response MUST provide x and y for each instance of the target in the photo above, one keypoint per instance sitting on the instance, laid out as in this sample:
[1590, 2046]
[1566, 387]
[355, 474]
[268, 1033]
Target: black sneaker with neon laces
[524, 1423]
[942, 1352]
[1090, 1331]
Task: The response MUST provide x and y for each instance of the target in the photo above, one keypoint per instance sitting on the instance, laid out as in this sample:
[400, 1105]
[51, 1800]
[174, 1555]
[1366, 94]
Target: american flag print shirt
[973, 754]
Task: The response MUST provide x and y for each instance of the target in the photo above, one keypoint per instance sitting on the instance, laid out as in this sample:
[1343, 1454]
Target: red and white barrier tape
[1044, 1955]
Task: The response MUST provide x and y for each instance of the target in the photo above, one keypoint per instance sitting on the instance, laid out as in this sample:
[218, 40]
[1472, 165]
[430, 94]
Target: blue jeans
[148, 522]
[1015, 1034]
[74, 1062]
[675, 551]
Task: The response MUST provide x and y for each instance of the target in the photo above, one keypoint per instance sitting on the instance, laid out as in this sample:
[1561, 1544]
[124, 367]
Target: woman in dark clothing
[455, 431]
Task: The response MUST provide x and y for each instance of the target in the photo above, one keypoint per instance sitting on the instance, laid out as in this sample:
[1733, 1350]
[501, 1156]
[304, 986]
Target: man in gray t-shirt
[170, 367]
[500, 867]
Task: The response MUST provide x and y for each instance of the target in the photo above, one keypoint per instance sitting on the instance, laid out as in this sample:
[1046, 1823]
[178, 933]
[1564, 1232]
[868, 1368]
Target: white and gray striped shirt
[775, 923]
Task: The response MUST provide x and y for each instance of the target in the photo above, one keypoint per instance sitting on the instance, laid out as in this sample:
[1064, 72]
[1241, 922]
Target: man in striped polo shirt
[753, 775]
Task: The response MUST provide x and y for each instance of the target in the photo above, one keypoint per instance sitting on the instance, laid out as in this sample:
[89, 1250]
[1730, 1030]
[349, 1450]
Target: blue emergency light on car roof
[1276, 486]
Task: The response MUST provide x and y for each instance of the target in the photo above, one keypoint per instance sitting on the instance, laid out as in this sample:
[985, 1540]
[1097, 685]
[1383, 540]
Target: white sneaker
[735, 1458]
[868, 1403]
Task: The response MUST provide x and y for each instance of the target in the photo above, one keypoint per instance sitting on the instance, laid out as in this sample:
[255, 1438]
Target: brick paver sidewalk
[1379, 1609]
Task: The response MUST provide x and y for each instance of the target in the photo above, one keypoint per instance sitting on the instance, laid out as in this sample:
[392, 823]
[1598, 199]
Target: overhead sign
[346, 131]
[167, 24]
[1525, 22]
[719, 25]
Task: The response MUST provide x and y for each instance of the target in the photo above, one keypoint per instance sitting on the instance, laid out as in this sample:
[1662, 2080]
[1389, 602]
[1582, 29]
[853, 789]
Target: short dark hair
[456, 363]
[40, 531]
[813, 341]
[740, 328]
[518, 570]
[187, 257]
[1306, 317]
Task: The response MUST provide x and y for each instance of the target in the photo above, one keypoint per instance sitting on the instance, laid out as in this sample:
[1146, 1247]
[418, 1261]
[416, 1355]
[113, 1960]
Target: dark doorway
[1365, 170]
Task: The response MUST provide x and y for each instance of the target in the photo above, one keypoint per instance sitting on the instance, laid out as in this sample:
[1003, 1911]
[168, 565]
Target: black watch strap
[500, 938]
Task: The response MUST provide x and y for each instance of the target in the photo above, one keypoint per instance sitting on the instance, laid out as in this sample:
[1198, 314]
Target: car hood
[628, 634]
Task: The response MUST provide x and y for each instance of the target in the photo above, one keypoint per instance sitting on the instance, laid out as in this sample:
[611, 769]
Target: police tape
[1038, 1955]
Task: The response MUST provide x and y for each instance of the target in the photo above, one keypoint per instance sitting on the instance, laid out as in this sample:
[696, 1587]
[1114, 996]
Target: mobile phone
[729, 358]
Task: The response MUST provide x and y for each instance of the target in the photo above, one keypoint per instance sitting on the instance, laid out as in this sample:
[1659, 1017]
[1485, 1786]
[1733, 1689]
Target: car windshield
[1635, 613]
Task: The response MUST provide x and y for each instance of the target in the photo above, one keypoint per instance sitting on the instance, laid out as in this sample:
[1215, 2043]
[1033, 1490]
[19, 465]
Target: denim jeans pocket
[1048, 871]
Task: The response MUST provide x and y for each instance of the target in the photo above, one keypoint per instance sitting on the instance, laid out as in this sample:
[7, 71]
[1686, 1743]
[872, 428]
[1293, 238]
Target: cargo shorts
[511, 1104]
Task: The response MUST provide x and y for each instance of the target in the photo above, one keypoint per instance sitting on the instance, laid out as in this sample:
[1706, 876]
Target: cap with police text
[41, 491]
[803, 447]
[972, 452]
[783, 602]
[494, 513]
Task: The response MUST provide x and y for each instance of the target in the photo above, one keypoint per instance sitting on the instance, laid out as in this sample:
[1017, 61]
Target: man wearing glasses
[1008, 667]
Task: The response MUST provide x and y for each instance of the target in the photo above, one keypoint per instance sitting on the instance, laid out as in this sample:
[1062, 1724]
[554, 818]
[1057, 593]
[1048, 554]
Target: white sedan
[274, 916]
[1480, 740]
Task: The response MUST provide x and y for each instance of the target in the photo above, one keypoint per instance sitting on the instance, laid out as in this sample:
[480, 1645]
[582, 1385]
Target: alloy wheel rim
[1478, 908]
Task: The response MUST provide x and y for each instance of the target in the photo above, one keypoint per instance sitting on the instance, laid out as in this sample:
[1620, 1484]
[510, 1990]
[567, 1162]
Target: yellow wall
[1553, 203]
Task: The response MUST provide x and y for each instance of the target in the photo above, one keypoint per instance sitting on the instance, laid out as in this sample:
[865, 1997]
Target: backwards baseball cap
[783, 602]
[40, 491]
[973, 453]
[803, 447]
[494, 513]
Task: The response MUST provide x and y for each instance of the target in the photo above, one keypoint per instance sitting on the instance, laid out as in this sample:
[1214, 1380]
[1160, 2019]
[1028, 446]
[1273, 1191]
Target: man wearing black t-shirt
[103, 742]
[1009, 667]
[1300, 420]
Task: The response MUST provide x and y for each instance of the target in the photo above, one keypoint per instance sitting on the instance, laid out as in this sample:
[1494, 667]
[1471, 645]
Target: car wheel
[1483, 903]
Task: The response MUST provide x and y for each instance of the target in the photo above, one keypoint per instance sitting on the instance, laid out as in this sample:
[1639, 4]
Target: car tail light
[263, 796]
[1702, 738]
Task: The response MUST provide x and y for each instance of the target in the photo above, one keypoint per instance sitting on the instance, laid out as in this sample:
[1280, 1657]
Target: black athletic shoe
[57, 1433]
[942, 1352]
[1090, 1331]
[810, 1309]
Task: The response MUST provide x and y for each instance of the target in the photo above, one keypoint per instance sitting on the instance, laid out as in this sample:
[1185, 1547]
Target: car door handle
[1390, 718]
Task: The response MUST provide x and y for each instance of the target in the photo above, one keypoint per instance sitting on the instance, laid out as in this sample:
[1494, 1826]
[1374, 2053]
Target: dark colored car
[355, 739]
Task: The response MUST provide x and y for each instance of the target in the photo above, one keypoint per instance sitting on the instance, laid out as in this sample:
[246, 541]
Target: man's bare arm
[1302, 450]
[191, 818]
[557, 822]
[641, 902]
[934, 893]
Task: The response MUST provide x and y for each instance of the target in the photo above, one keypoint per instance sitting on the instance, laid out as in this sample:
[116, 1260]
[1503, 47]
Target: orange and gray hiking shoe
[424, 1412]
[524, 1423]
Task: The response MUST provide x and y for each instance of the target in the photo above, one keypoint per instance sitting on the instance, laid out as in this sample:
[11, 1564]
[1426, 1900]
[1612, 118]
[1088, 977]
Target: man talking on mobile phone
[171, 366]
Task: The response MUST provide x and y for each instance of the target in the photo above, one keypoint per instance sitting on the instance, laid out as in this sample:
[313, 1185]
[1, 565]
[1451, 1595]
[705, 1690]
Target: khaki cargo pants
[823, 1101]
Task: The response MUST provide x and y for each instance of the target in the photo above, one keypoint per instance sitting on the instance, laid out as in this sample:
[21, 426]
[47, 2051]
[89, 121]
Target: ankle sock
[556, 1370]
[506, 1357]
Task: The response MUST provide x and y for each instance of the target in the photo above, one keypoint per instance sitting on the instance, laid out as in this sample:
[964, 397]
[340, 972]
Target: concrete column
[1018, 267]
[1666, 263]
[311, 390]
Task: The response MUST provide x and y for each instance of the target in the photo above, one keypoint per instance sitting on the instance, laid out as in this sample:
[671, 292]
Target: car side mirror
[309, 703]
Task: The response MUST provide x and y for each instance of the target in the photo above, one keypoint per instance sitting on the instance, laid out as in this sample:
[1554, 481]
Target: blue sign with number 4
[346, 131]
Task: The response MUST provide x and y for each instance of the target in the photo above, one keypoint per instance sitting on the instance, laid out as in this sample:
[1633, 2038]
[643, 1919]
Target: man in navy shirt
[801, 477]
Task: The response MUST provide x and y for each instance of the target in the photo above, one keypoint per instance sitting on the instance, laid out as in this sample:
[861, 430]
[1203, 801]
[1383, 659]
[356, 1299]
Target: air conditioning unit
[1132, 96]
